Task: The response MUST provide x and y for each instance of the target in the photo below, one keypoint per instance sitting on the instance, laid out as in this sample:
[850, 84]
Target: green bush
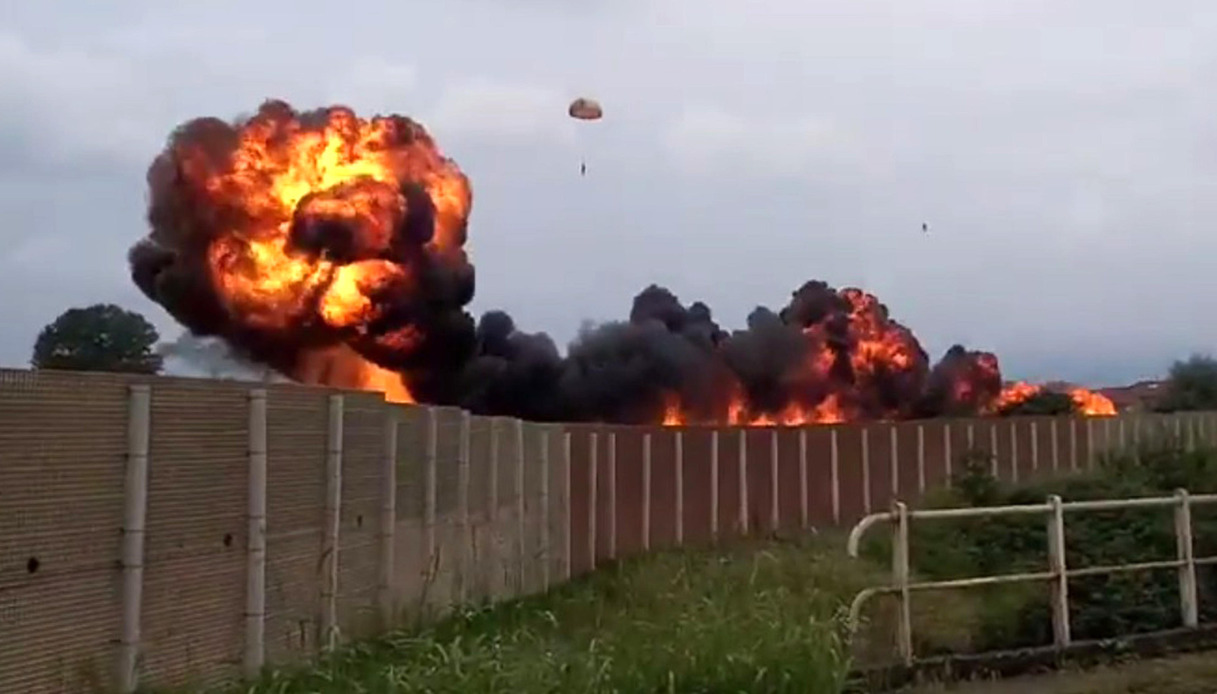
[1101, 606]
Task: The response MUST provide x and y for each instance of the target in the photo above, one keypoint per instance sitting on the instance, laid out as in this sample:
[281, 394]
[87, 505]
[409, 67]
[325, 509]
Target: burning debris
[331, 248]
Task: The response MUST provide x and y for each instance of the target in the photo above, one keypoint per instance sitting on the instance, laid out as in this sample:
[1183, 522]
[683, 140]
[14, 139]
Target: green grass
[763, 617]
[768, 616]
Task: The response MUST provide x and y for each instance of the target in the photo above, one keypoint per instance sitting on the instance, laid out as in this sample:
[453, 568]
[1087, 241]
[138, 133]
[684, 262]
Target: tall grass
[756, 618]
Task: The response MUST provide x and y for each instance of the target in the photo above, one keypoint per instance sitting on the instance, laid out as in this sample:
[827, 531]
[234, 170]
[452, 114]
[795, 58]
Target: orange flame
[345, 169]
[1087, 402]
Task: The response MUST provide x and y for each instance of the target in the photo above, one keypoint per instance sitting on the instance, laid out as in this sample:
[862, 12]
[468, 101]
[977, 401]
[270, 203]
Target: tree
[101, 337]
[1191, 385]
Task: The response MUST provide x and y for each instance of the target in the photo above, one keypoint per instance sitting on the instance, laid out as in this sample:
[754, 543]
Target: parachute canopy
[585, 109]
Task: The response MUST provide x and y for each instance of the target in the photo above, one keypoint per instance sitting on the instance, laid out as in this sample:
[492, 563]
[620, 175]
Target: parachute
[584, 108]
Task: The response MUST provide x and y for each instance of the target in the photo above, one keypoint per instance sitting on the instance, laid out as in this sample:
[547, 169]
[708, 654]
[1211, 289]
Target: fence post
[1107, 436]
[1014, 450]
[430, 463]
[546, 553]
[135, 509]
[1073, 444]
[1035, 446]
[462, 508]
[743, 480]
[567, 506]
[521, 546]
[679, 454]
[255, 556]
[804, 510]
[612, 494]
[866, 469]
[1188, 599]
[946, 452]
[388, 516]
[900, 581]
[1060, 578]
[333, 518]
[714, 485]
[835, 475]
[920, 458]
[1054, 441]
[1091, 459]
[994, 469]
[775, 518]
[894, 460]
[593, 491]
[646, 491]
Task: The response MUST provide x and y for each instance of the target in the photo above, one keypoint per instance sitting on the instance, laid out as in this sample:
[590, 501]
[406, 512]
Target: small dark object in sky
[925, 228]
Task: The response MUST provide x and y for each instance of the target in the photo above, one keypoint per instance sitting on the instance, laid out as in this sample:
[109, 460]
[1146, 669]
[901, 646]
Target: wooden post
[1060, 577]
[1188, 599]
[135, 510]
[333, 519]
[255, 555]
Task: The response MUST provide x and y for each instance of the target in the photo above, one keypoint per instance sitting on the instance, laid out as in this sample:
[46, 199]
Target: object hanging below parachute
[585, 109]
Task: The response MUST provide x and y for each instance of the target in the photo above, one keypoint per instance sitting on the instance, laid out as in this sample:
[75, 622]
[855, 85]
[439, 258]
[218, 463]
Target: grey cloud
[1057, 149]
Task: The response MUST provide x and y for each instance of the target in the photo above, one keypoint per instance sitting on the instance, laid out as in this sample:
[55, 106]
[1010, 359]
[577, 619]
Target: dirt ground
[1190, 674]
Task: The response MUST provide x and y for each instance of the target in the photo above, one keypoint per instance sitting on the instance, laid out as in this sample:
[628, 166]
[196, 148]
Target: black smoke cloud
[630, 371]
[826, 348]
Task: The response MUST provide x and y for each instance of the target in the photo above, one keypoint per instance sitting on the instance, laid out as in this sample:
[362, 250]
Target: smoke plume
[331, 249]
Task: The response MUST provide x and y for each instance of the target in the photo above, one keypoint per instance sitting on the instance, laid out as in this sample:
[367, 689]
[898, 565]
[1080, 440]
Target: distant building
[1141, 396]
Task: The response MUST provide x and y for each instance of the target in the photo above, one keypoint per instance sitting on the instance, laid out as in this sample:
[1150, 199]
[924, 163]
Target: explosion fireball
[331, 248]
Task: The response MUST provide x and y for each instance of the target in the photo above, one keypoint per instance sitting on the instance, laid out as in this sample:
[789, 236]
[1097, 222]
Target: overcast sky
[1063, 152]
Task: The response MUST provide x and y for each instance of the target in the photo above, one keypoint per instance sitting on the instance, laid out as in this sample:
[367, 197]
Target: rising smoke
[331, 249]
